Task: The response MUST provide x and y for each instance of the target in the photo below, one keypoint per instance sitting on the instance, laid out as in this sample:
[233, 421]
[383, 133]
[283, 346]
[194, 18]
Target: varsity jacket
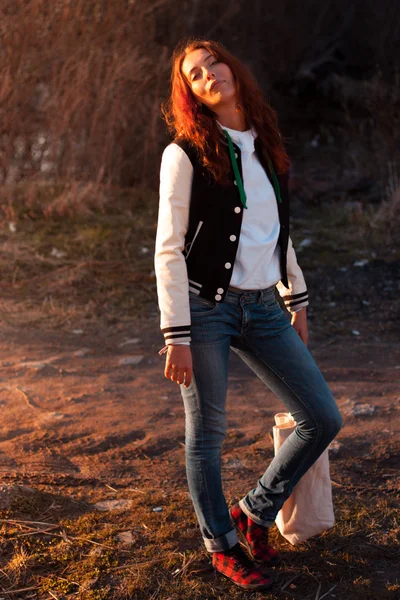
[197, 242]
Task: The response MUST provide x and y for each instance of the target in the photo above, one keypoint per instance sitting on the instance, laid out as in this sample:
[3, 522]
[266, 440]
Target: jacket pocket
[188, 247]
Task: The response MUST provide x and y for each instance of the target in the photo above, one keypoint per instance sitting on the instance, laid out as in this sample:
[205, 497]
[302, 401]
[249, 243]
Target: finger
[174, 369]
[181, 377]
[178, 375]
[169, 369]
[188, 377]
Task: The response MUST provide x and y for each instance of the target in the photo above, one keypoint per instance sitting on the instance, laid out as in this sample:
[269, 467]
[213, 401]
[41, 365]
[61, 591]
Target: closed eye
[196, 75]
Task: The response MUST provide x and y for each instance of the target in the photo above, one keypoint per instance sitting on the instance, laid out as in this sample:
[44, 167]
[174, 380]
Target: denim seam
[204, 479]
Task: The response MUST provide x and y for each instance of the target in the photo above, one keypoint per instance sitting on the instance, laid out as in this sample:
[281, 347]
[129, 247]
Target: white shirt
[257, 259]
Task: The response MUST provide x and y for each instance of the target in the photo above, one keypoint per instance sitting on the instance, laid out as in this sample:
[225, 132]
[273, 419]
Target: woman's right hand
[178, 364]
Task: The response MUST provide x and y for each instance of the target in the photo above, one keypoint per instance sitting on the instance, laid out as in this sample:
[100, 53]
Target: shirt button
[232, 238]
[228, 265]
[220, 290]
[235, 182]
[217, 297]
[237, 209]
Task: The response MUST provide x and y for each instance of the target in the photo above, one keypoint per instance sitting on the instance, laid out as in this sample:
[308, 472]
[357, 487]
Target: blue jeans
[255, 327]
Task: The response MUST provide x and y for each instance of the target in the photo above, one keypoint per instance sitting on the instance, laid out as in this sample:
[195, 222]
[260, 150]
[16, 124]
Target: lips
[214, 83]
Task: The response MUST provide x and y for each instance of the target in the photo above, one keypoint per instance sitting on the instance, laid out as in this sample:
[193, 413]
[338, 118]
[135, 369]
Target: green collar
[238, 178]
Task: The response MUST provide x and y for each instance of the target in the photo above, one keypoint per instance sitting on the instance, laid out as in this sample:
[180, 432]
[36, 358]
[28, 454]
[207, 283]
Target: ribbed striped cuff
[295, 302]
[175, 335]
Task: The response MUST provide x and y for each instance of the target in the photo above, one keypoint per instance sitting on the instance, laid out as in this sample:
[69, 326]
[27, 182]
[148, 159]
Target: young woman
[222, 248]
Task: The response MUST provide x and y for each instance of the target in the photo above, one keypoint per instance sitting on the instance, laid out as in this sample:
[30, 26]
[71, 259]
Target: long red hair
[198, 125]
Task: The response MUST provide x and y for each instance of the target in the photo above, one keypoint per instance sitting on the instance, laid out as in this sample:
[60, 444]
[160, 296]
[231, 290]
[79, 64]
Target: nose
[210, 74]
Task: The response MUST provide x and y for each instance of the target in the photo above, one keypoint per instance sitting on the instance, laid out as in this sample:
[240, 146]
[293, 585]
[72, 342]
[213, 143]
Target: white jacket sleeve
[170, 267]
[296, 297]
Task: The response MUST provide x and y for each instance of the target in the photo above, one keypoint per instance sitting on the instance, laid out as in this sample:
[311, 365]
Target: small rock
[131, 360]
[126, 538]
[355, 332]
[361, 263]
[35, 365]
[157, 509]
[332, 304]
[96, 551]
[53, 416]
[343, 269]
[57, 253]
[304, 244]
[234, 463]
[12, 227]
[82, 352]
[131, 341]
[352, 409]
[77, 331]
[365, 302]
[144, 250]
[5, 363]
[9, 493]
[364, 409]
[335, 447]
[107, 505]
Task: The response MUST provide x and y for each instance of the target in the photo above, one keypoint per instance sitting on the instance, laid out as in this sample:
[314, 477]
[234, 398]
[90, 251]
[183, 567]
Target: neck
[231, 117]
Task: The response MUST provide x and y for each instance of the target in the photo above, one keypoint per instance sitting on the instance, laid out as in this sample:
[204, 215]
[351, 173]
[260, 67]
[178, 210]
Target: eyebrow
[196, 67]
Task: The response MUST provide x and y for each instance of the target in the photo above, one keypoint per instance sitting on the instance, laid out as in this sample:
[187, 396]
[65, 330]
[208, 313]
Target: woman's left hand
[299, 322]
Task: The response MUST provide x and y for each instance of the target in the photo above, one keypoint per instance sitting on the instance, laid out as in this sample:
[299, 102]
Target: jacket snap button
[220, 290]
[237, 209]
[217, 297]
[236, 154]
[228, 265]
[232, 238]
[235, 182]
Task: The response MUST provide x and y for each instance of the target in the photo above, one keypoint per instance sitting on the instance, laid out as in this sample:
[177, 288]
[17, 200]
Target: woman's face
[211, 81]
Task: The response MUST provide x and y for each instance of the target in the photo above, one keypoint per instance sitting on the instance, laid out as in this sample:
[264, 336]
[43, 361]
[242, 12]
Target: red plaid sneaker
[235, 565]
[255, 538]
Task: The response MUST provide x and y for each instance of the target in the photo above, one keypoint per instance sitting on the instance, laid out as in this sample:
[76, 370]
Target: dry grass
[82, 556]
[87, 90]
[82, 83]
[63, 266]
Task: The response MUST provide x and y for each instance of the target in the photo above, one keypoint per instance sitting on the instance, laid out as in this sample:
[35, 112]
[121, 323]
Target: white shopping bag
[309, 509]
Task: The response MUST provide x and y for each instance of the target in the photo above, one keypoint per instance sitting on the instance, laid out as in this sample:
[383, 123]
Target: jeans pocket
[201, 306]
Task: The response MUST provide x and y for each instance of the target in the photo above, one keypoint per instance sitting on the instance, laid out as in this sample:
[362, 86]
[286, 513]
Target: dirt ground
[88, 417]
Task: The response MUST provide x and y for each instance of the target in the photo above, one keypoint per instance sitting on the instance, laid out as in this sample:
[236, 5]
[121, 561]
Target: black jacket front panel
[215, 216]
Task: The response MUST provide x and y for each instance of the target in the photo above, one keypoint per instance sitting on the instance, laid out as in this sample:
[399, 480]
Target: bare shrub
[387, 216]
[82, 81]
[87, 92]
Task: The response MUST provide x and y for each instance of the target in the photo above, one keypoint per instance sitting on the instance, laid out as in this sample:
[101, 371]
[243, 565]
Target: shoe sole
[271, 563]
[264, 586]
